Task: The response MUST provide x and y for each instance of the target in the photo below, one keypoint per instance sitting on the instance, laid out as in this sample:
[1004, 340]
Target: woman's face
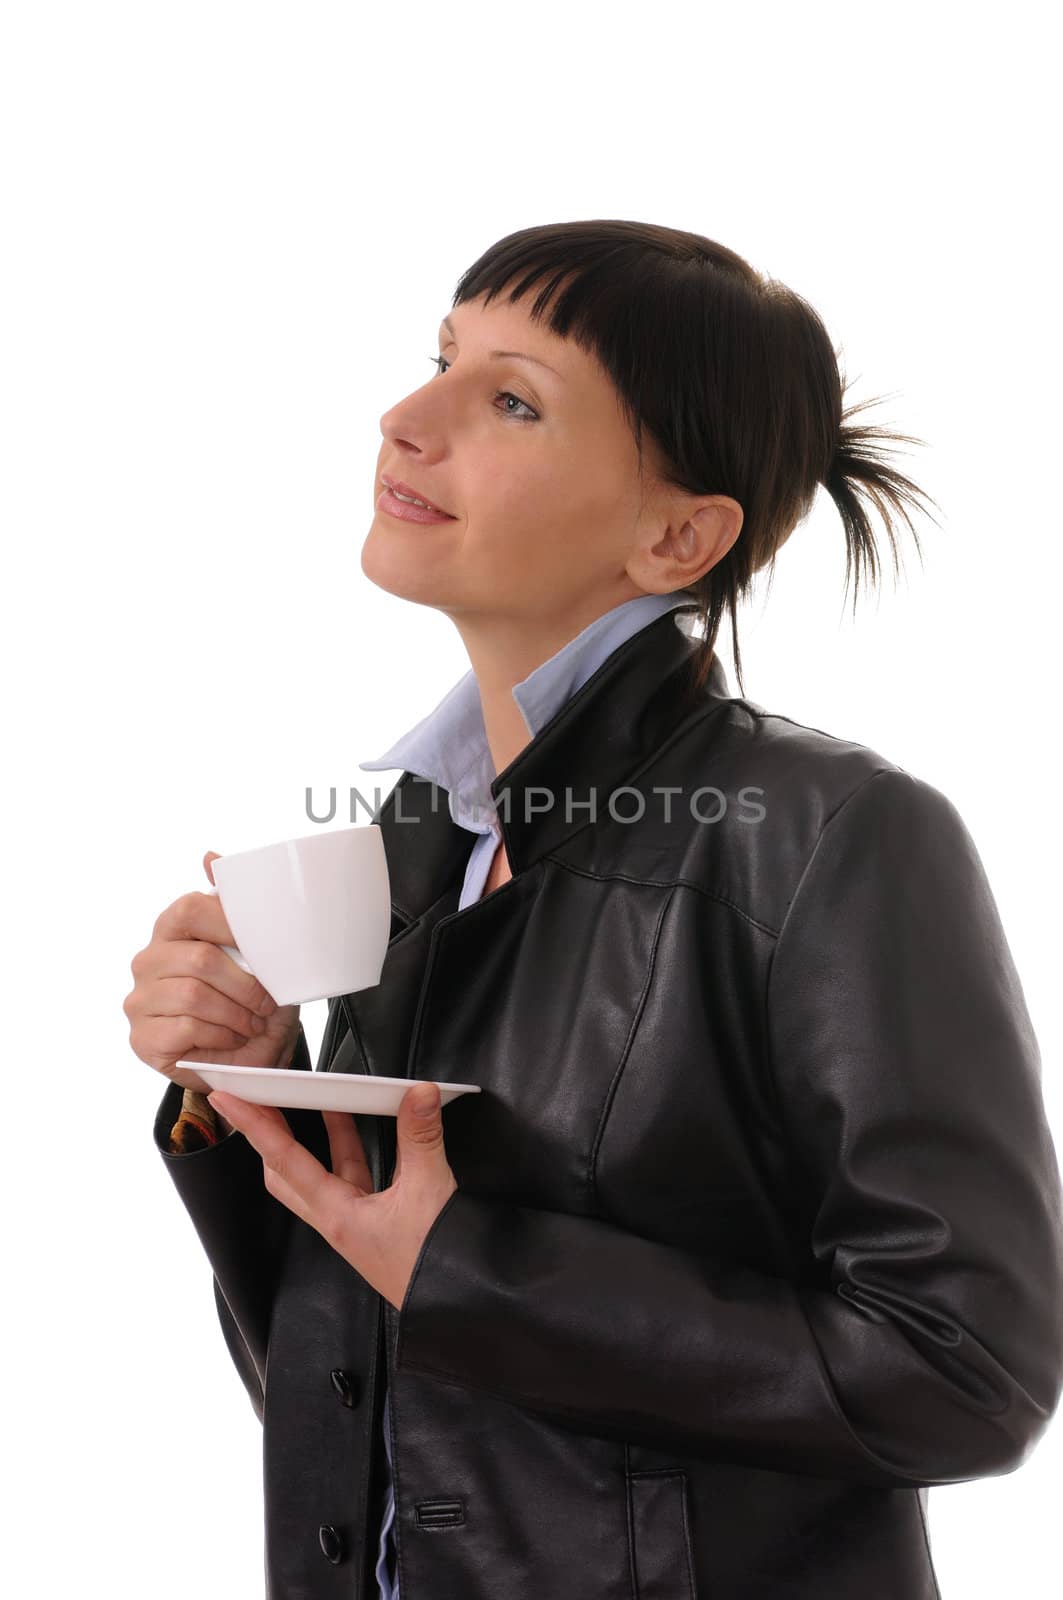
[538, 468]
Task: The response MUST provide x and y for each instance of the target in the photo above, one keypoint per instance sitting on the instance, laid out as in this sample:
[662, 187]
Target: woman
[754, 1232]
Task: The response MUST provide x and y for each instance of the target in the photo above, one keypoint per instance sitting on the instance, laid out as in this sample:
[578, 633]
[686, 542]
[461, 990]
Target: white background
[230, 233]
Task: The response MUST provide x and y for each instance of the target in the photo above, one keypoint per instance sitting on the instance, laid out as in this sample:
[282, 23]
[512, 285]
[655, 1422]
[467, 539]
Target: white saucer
[316, 1091]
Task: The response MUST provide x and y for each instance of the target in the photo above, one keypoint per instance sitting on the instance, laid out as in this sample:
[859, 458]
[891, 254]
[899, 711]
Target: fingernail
[268, 1006]
[258, 1024]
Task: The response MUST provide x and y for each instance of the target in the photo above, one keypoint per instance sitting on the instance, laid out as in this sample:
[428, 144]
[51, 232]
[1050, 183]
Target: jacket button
[331, 1544]
[345, 1385]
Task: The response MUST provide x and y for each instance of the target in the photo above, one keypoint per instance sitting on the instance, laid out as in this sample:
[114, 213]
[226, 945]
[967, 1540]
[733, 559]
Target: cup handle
[230, 949]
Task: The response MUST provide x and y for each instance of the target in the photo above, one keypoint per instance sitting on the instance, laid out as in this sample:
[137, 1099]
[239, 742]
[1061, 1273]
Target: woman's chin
[399, 570]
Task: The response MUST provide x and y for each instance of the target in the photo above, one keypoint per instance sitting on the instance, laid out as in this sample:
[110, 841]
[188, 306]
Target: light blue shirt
[449, 747]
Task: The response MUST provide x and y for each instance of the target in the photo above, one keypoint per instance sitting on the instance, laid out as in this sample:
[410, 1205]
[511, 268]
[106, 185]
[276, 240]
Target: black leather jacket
[758, 1230]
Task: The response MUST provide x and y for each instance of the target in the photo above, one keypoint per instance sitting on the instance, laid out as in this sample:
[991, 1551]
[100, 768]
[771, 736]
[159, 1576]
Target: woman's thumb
[421, 1121]
[211, 855]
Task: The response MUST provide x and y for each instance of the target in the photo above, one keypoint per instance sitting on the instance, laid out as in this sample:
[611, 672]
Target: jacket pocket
[659, 1534]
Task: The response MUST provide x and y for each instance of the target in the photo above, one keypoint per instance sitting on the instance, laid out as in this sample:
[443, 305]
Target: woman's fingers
[193, 996]
[187, 940]
[345, 1146]
[172, 1039]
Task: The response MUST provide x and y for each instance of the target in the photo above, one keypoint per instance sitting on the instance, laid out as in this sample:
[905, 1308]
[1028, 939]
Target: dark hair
[732, 373]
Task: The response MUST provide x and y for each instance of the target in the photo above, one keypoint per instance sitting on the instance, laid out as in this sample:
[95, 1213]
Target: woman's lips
[407, 513]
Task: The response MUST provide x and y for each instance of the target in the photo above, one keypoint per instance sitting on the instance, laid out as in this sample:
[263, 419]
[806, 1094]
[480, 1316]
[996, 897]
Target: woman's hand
[379, 1235]
[191, 1002]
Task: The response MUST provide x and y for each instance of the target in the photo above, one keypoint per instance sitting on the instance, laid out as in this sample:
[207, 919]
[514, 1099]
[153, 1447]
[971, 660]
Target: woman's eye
[503, 394]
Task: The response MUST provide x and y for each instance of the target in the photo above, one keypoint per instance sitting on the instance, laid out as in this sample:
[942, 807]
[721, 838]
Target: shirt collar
[449, 746]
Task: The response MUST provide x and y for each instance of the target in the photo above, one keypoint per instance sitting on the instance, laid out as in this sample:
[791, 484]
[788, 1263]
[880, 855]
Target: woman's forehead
[504, 330]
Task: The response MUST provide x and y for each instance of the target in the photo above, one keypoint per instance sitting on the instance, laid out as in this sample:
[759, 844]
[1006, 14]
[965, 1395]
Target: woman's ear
[694, 540]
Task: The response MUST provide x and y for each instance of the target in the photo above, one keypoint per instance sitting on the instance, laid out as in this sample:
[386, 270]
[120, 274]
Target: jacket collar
[596, 743]
[449, 746]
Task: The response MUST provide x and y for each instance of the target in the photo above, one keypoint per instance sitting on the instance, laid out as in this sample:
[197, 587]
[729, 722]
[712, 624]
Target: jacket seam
[680, 1474]
[629, 1509]
[625, 1054]
[794, 898]
[394, 1469]
[805, 727]
[758, 713]
[411, 920]
[684, 1506]
[664, 883]
[771, 1077]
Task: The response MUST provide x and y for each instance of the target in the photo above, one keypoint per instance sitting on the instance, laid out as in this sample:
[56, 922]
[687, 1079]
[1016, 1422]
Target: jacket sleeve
[243, 1229]
[925, 1343]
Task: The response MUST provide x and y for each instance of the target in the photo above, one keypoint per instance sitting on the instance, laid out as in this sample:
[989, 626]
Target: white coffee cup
[312, 916]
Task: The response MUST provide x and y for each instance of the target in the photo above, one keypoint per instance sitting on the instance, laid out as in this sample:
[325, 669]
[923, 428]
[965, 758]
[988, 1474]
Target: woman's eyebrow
[496, 355]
